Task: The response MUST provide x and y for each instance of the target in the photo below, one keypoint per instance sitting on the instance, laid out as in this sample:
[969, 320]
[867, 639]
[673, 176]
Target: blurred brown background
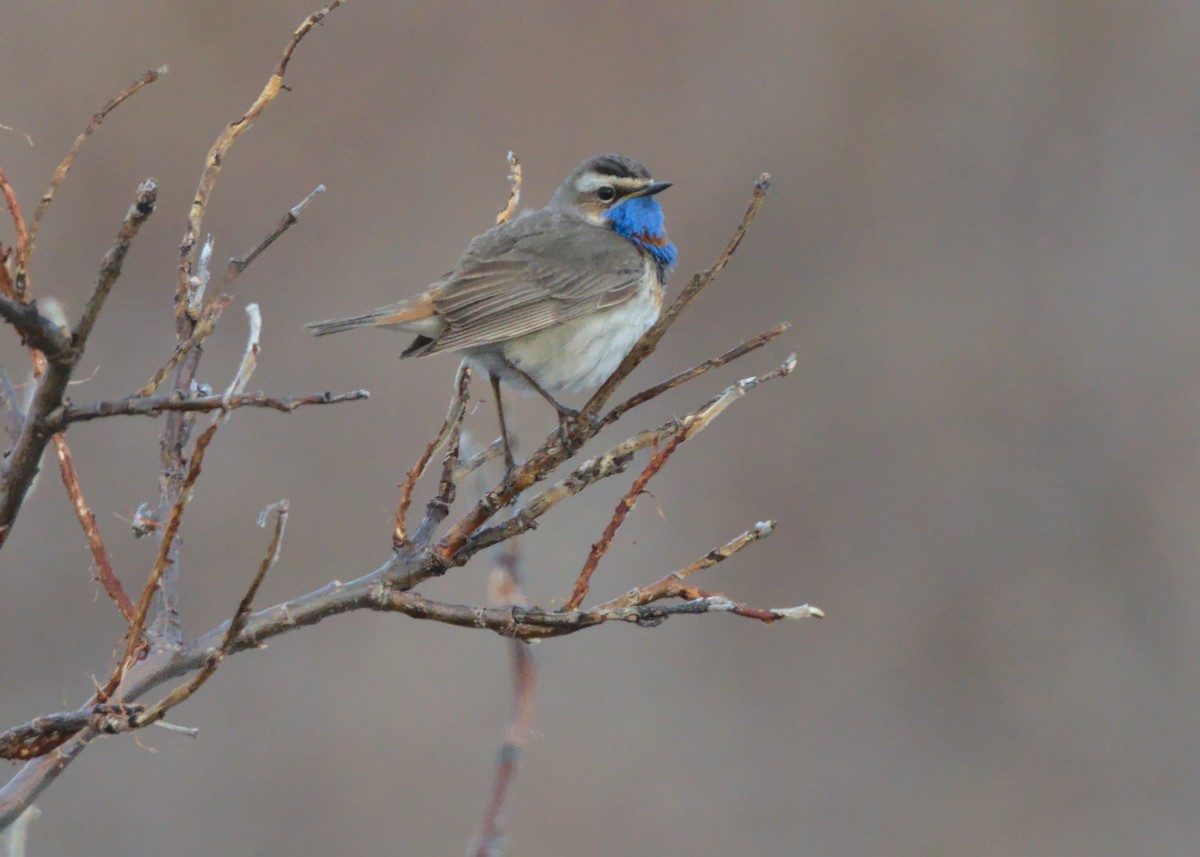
[985, 468]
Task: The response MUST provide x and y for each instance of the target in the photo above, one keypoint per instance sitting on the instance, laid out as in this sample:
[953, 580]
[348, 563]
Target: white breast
[577, 354]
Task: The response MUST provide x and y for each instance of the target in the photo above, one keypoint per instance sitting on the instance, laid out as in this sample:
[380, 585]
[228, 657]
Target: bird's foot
[570, 422]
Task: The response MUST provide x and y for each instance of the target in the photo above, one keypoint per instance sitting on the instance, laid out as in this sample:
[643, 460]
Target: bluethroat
[551, 300]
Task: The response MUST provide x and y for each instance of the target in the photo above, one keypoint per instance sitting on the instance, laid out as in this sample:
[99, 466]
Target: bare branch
[91, 530]
[670, 586]
[600, 548]
[216, 157]
[752, 344]
[536, 624]
[60, 174]
[110, 270]
[133, 638]
[236, 266]
[204, 325]
[153, 406]
[506, 589]
[181, 693]
[451, 551]
[53, 378]
[249, 361]
[37, 331]
[42, 734]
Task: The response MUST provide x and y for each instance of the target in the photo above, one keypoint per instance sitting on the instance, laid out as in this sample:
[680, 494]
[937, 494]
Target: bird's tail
[416, 316]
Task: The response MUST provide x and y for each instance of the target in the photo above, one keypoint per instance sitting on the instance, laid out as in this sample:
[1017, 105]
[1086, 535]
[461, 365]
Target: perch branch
[612, 462]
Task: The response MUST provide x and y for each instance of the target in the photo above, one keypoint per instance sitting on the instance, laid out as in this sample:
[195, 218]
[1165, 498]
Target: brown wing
[530, 273]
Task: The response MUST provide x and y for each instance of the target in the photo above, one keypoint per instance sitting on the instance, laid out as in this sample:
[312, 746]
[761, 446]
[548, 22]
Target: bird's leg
[510, 463]
[565, 415]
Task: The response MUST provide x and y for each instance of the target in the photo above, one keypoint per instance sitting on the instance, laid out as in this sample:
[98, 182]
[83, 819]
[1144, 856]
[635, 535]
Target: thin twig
[514, 194]
[459, 542]
[454, 416]
[138, 623]
[236, 266]
[152, 406]
[143, 206]
[60, 174]
[666, 587]
[624, 507]
[105, 574]
[703, 417]
[657, 390]
[536, 624]
[204, 325]
[216, 156]
[110, 270]
[18, 219]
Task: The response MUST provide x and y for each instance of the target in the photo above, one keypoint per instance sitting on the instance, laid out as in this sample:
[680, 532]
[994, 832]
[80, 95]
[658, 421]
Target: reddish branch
[600, 548]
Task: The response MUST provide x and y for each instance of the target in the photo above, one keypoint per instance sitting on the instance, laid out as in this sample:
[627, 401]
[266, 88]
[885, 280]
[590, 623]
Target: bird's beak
[651, 189]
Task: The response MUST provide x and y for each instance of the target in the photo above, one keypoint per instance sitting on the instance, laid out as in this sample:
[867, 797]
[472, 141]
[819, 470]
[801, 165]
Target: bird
[553, 299]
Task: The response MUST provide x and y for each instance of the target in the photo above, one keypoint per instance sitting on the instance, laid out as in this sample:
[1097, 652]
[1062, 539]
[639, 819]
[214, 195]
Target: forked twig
[159, 710]
[439, 507]
[454, 417]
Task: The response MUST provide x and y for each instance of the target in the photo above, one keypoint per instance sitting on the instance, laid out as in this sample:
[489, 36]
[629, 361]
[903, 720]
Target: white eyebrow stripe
[590, 181]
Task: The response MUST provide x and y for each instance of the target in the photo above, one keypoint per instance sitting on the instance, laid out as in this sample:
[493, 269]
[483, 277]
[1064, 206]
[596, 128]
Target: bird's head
[617, 192]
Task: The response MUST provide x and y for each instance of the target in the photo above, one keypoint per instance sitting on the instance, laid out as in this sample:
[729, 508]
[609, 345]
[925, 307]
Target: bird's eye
[606, 193]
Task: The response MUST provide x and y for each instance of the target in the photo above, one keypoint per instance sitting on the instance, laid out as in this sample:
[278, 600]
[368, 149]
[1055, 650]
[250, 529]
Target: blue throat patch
[640, 220]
